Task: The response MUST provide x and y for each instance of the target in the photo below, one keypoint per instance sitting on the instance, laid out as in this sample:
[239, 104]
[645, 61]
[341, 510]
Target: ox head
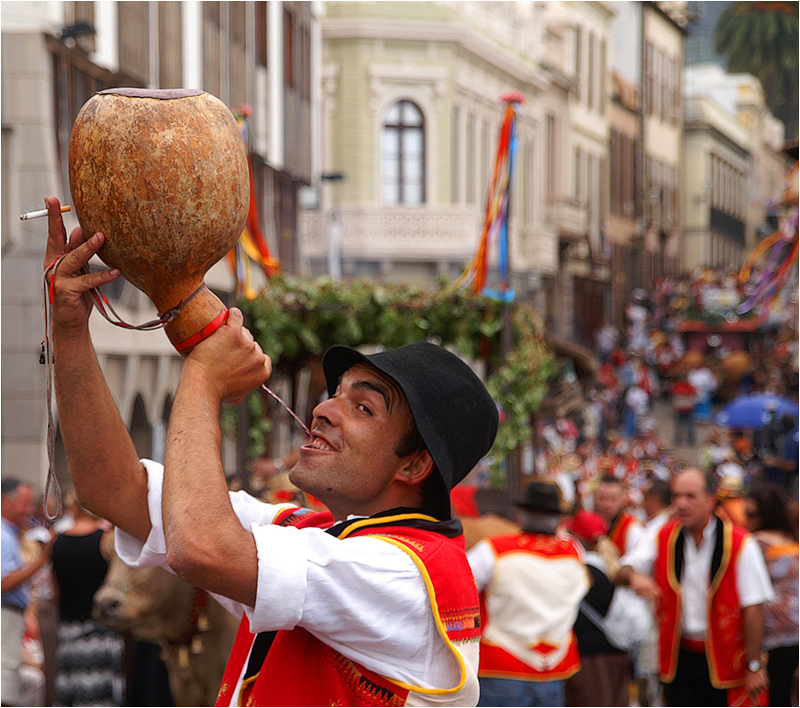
[151, 603]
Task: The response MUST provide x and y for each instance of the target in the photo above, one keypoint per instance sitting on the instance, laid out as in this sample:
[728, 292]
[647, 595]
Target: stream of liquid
[290, 411]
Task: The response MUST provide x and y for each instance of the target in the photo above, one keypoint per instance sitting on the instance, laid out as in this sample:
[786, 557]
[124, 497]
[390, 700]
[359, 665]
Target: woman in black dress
[90, 657]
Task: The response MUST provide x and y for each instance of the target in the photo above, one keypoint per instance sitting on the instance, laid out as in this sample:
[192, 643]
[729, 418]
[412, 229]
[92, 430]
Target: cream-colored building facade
[644, 225]
[739, 154]
[716, 161]
[662, 140]
[577, 207]
[439, 68]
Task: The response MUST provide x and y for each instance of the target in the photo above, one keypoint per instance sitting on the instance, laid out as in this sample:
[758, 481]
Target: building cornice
[701, 126]
[605, 9]
[457, 33]
[665, 15]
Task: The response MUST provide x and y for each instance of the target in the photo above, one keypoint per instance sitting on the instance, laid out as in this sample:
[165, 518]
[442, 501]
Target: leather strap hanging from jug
[104, 307]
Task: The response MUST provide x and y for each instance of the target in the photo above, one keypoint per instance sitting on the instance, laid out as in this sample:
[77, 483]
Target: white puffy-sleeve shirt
[361, 596]
[752, 579]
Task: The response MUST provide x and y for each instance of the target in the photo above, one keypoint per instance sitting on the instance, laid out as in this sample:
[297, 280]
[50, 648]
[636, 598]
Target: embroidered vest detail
[294, 656]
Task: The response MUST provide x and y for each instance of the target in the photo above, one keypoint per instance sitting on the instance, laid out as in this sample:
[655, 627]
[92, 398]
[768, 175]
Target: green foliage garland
[294, 318]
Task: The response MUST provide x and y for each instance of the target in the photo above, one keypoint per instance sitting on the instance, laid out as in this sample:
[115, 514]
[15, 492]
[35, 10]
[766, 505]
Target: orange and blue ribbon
[495, 223]
[252, 245]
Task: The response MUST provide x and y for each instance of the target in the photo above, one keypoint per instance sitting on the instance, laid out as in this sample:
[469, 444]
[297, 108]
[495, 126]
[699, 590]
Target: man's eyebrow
[363, 384]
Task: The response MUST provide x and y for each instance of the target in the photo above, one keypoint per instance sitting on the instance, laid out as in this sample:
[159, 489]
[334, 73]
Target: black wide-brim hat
[544, 497]
[454, 412]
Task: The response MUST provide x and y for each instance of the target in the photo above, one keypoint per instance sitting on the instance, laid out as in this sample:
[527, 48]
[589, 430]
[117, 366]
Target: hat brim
[454, 413]
[541, 509]
[339, 359]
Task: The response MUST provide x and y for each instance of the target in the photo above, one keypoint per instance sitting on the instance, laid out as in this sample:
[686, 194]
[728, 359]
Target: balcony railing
[567, 215]
[394, 233]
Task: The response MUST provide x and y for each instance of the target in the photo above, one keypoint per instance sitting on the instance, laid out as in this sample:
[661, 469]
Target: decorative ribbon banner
[495, 224]
[782, 249]
[251, 246]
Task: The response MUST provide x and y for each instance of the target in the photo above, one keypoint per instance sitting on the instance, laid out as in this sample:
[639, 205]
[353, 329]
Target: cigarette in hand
[42, 212]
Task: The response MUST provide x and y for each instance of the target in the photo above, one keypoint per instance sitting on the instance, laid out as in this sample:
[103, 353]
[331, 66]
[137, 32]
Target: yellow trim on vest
[439, 624]
[379, 521]
[675, 584]
[244, 685]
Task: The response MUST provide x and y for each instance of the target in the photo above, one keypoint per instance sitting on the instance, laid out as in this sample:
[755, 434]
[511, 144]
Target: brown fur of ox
[153, 604]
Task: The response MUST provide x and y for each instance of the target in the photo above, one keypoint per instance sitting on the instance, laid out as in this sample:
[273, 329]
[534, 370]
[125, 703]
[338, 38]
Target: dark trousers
[684, 424]
[780, 668]
[602, 681]
[48, 628]
[692, 685]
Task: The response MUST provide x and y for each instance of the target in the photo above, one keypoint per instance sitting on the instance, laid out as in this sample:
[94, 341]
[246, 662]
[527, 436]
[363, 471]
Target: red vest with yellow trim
[618, 534]
[724, 640]
[300, 670]
[496, 662]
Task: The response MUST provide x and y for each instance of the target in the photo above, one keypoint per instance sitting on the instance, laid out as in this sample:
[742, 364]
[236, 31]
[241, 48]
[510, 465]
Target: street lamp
[335, 229]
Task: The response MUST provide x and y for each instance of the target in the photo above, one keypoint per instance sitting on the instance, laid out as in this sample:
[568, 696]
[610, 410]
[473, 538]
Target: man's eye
[364, 408]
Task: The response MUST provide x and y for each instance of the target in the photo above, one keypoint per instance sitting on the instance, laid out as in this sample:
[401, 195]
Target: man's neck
[698, 532]
[658, 513]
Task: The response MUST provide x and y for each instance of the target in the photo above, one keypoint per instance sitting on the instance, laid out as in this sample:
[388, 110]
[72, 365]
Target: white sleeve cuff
[282, 578]
[153, 552]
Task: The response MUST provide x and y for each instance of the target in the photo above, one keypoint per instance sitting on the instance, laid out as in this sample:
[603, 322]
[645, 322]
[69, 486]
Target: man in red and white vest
[708, 580]
[369, 603]
[531, 587]
[625, 529]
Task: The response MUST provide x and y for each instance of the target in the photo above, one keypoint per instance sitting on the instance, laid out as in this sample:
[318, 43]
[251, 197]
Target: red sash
[300, 670]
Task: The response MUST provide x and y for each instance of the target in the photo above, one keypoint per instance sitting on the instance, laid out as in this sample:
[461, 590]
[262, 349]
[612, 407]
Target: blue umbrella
[755, 411]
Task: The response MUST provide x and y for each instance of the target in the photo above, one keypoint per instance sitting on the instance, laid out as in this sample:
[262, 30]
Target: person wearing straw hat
[532, 584]
[369, 603]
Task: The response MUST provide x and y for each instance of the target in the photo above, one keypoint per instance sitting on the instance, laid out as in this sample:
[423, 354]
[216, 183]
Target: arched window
[403, 155]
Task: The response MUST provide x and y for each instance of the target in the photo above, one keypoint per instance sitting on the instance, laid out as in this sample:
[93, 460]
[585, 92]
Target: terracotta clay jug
[163, 175]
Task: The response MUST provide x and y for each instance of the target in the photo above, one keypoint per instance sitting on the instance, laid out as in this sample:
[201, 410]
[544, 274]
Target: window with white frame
[403, 155]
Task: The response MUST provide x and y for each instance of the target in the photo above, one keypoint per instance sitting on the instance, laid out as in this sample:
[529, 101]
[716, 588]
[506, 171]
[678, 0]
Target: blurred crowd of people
[54, 652]
[625, 481]
[609, 477]
[564, 622]
[615, 430]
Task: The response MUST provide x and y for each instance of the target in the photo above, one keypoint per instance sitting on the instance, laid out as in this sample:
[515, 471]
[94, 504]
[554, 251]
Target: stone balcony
[567, 215]
[396, 233]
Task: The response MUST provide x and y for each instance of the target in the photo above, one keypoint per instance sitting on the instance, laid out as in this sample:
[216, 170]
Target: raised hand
[230, 362]
[69, 287]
